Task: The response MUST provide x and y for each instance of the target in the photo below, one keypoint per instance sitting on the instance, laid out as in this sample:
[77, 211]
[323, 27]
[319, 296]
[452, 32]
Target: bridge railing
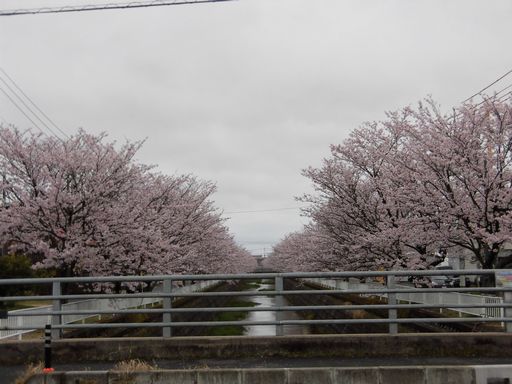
[69, 307]
[22, 321]
[453, 298]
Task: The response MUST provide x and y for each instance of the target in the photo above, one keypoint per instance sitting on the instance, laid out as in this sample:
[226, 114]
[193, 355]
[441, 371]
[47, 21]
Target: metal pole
[392, 313]
[507, 299]
[48, 349]
[279, 287]
[56, 306]
[167, 304]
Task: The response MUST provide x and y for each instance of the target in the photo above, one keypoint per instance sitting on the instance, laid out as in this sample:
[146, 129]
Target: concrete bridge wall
[377, 375]
[462, 345]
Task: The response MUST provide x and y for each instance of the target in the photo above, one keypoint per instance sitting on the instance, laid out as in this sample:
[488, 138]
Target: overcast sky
[249, 93]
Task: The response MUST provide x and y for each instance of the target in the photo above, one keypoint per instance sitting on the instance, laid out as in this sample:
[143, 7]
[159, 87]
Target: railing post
[502, 280]
[507, 299]
[56, 306]
[167, 304]
[279, 287]
[459, 301]
[392, 313]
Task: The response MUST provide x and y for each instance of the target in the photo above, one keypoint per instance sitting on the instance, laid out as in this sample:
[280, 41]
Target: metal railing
[455, 298]
[36, 318]
[393, 297]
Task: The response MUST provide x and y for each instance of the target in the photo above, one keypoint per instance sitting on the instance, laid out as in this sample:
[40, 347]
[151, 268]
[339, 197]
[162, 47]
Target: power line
[500, 98]
[101, 7]
[495, 98]
[487, 87]
[27, 107]
[34, 104]
[21, 110]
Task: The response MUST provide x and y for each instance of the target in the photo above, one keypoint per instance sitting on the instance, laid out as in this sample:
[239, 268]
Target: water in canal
[269, 301]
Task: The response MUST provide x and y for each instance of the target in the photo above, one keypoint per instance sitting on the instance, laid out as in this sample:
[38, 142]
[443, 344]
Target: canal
[267, 302]
[270, 315]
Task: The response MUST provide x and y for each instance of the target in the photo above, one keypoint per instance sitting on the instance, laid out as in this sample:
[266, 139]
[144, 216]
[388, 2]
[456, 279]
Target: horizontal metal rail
[263, 309]
[269, 293]
[281, 322]
[390, 294]
[292, 275]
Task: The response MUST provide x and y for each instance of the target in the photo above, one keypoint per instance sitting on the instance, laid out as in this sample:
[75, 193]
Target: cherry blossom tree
[86, 207]
[396, 192]
[356, 202]
[462, 164]
[308, 250]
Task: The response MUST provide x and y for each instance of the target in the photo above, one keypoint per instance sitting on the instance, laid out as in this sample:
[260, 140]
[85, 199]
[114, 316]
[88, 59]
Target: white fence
[38, 321]
[434, 298]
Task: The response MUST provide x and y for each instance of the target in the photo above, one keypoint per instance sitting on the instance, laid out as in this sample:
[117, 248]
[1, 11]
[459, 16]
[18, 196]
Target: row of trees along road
[85, 207]
[396, 191]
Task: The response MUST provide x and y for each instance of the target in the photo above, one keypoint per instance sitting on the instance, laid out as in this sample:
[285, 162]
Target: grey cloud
[249, 93]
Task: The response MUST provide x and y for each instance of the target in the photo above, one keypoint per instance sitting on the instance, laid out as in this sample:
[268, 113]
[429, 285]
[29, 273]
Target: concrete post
[462, 265]
[392, 313]
[167, 304]
[279, 287]
[56, 306]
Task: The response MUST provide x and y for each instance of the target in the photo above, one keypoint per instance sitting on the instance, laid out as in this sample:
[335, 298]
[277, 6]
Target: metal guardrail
[79, 311]
[391, 292]
[431, 299]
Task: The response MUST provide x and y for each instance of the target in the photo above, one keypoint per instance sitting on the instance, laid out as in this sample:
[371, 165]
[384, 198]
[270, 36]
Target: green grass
[246, 285]
[231, 330]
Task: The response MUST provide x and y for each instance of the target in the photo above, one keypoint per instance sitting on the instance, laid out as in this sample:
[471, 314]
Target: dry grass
[31, 370]
[128, 368]
[359, 314]
[135, 365]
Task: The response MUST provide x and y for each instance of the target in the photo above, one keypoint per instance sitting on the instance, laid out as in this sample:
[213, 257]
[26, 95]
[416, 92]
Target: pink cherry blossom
[397, 191]
[85, 207]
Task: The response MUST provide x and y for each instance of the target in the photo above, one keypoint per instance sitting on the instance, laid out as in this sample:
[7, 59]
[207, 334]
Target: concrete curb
[374, 375]
[457, 345]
